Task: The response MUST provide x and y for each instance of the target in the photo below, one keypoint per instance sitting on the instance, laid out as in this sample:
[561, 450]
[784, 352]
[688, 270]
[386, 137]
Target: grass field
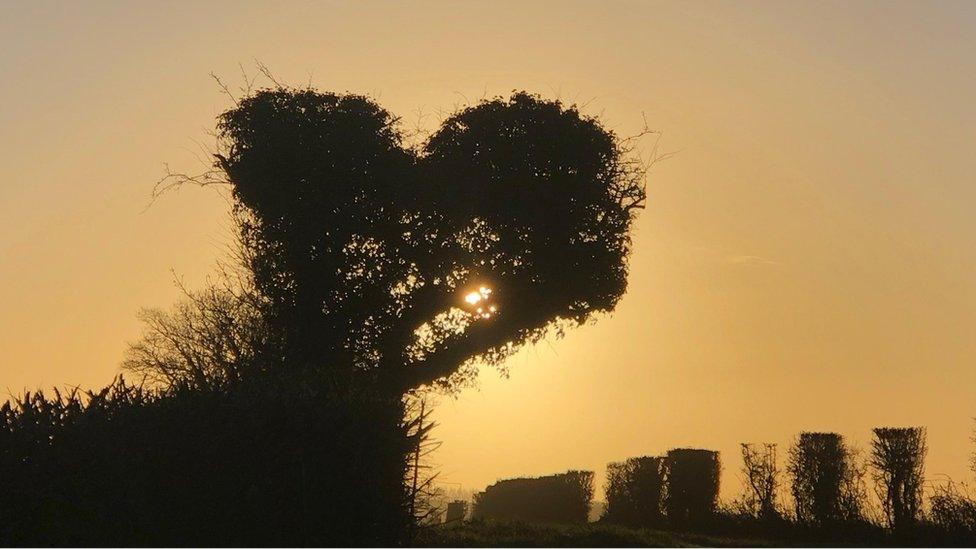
[518, 534]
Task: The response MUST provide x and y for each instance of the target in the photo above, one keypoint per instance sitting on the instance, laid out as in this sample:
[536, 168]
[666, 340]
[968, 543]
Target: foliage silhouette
[762, 477]
[693, 477]
[898, 462]
[953, 511]
[357, 255]
[365, 249]
[825, 478]
[635, 492]
[565, 498]
[268, 461]
[210, 337]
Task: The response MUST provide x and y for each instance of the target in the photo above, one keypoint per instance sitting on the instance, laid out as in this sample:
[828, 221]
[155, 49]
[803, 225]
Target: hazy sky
[806, 262]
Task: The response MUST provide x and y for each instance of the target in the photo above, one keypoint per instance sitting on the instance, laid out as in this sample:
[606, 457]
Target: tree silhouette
[635, 492]
[400, 265]
[827, 482]
[693, 477]
[211, 337]
[762, 477]
[898, 460]
[370, 269]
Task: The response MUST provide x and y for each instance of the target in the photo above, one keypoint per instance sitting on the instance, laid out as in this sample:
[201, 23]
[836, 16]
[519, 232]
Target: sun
[475, 297]
[480, 296]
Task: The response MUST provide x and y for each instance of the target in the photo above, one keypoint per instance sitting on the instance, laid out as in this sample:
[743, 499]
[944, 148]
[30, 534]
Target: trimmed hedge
[563, 498]
[635, 492]
[692, 486]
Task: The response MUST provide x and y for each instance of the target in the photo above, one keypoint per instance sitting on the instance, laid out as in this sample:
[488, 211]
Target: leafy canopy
[404, 264]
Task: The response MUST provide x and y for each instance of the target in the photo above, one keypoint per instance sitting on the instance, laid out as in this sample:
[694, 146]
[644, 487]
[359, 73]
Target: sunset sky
[806, 261]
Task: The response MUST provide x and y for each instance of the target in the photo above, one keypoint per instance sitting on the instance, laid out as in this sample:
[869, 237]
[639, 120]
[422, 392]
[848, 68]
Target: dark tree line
[828, 484]
[679, 490]
[828, 480]
[826, 477]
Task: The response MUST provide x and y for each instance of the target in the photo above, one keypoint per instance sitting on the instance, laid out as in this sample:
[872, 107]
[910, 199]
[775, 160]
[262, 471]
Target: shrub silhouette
[762, 477]
[211, 337]
[898, 461]
[564, 497]
[827, 482]
[254, 463]
[635, 492]
[954, 513]
[692, 486]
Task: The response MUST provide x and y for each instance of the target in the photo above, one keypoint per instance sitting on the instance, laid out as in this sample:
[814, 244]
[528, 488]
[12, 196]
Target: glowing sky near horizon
[807, 261]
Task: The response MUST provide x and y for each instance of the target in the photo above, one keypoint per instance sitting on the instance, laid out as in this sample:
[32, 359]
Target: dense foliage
[265, 462]
[565, 497]
[367, 250]
[823, 480]
[693, 477]
[635, 492]
[898, 460]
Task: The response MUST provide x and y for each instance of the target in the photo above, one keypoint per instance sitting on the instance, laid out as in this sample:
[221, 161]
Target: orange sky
[807, 261]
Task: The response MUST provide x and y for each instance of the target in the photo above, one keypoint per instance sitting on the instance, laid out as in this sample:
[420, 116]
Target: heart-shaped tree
[404, 265]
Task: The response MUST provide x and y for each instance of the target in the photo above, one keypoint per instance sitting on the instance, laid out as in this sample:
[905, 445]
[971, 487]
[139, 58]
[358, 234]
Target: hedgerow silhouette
[827, 481]
[263, 462]
[564, 497]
